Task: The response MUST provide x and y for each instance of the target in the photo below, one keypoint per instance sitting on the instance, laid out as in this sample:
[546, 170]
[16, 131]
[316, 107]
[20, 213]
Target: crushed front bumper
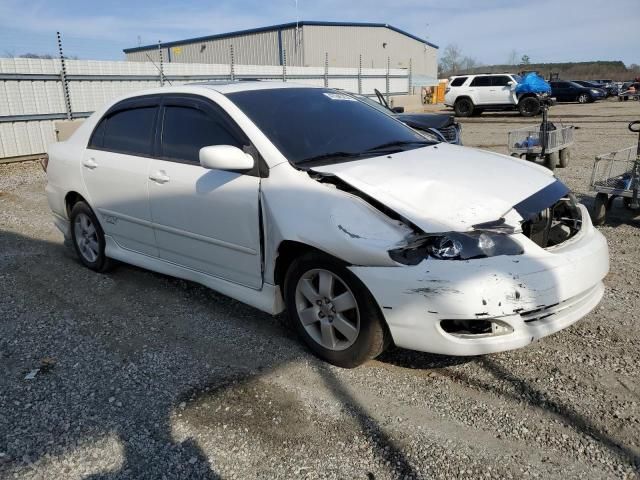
[530, 295]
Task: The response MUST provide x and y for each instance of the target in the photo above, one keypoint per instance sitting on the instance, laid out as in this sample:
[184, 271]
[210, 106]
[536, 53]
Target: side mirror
[225, 157]
[397, 109]
[511, 84]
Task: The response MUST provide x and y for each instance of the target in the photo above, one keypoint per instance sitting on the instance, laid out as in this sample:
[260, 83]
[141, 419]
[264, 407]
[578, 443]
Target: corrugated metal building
[305, 44]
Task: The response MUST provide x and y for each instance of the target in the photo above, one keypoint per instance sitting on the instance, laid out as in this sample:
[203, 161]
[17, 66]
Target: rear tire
[565, 156]
[463, 107]
[529, 106]
[87, 237]
[600, 209]
[314, 311]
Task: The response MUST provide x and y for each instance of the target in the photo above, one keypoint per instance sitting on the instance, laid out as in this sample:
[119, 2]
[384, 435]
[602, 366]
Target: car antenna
[158, 68]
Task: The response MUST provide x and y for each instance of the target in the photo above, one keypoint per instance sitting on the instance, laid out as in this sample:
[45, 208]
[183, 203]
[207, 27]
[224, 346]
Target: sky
[487, 30]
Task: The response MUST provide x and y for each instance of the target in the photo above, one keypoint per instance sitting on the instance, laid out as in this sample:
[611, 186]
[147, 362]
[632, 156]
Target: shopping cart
[546, 141]
[616, 174]
[553, 146]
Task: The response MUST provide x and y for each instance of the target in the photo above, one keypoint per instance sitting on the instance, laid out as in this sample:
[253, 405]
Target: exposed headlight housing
[456, 246]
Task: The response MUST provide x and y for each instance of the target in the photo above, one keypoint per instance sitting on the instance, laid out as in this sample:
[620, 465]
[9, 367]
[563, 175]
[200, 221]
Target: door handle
[90, 163]
[159, 177]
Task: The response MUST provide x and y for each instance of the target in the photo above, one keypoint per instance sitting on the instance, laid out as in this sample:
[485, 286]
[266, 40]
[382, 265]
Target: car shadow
[121, 364]
[527, 393]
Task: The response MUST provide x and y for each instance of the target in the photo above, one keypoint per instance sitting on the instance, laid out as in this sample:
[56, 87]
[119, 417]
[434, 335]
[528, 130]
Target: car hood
[426, 120]
[444, 187]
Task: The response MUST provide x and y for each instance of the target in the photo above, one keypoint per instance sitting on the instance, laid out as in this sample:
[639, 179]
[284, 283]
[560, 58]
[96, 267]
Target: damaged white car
[368, 233]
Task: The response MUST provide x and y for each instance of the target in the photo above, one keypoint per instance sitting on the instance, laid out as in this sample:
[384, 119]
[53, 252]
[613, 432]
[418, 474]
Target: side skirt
[268, 299]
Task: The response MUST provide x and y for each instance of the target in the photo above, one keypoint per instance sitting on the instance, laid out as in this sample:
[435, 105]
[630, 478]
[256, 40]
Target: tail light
[44, 162]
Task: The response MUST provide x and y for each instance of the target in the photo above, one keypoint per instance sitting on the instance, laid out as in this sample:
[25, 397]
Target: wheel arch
[287, 252]
[70, 199]
[463, 97]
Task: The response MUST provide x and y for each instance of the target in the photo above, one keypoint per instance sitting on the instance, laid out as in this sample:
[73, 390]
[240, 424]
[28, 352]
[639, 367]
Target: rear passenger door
[480, 87]
[205, 220]
[115, 168]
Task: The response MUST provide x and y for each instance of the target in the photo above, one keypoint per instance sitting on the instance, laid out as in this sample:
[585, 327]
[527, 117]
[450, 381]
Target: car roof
[482, 74]
[224, 87]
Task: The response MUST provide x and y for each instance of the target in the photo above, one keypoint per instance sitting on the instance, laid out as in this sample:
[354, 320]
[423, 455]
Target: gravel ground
[138, 375]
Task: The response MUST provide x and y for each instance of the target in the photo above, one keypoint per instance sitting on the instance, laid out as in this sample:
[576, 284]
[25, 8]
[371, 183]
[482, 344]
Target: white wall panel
[31, 96]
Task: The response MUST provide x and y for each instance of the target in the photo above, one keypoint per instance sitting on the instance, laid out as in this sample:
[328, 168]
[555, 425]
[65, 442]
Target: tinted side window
[97, 137]
[500, 81]
[130, 131]
[481, 82]
[457, 82]
[186, 130]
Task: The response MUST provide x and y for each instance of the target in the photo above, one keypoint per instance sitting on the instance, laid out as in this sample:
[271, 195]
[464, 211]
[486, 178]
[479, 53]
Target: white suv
[472, 94]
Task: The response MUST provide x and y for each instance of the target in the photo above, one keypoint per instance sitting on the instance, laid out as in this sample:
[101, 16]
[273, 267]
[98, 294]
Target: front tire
[565, 156]
[463, 107]
[529, 107]
[584, 98]
[600, 208]
[551, 160]
[333, 311]
[87, 237]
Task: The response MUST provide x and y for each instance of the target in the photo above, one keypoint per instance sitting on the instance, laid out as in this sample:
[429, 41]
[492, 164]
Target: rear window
[481, 82]
[457, 82]
[127, 131]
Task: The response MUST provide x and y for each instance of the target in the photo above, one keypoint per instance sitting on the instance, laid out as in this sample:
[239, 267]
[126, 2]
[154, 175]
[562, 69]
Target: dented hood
[444, 187]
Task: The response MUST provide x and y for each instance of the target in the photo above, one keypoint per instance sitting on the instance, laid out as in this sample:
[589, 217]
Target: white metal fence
[33, 94]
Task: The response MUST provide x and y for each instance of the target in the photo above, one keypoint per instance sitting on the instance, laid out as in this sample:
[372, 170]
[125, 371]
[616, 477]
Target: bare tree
[512, 59]
[453, 61]
[35, 55]
[469, 63]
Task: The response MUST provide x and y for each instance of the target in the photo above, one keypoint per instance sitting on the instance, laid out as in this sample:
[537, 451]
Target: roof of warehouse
[277, 27]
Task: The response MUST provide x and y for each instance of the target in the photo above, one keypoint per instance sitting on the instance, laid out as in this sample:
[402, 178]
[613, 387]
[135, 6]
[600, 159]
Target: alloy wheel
[86, 237]
[327, 309]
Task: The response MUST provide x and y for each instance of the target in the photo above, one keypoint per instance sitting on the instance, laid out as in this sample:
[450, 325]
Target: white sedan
[368, 233]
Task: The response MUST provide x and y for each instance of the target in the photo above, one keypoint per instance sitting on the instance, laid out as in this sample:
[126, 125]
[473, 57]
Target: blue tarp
[532, 83]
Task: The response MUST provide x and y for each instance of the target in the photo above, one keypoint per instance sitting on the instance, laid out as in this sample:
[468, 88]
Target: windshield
[371, 102]
[319, 125]
[517, 78]
[576, 84]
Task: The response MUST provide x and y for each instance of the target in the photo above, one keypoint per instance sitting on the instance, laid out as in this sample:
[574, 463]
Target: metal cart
[616, 174]
[546, 141]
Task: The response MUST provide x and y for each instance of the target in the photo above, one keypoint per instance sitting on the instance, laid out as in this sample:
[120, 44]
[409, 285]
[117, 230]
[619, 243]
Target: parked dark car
[608, 86]
[566, 91]
[590, 84]
[443, 126]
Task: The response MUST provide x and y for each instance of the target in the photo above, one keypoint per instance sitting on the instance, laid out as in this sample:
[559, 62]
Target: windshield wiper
[398, 143]
[378, 148]
[325, 156]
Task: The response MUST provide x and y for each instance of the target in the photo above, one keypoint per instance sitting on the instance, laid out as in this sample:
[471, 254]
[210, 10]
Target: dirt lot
[145, 376]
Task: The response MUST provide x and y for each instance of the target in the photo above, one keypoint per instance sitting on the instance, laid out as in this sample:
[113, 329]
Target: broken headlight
[456, 246]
